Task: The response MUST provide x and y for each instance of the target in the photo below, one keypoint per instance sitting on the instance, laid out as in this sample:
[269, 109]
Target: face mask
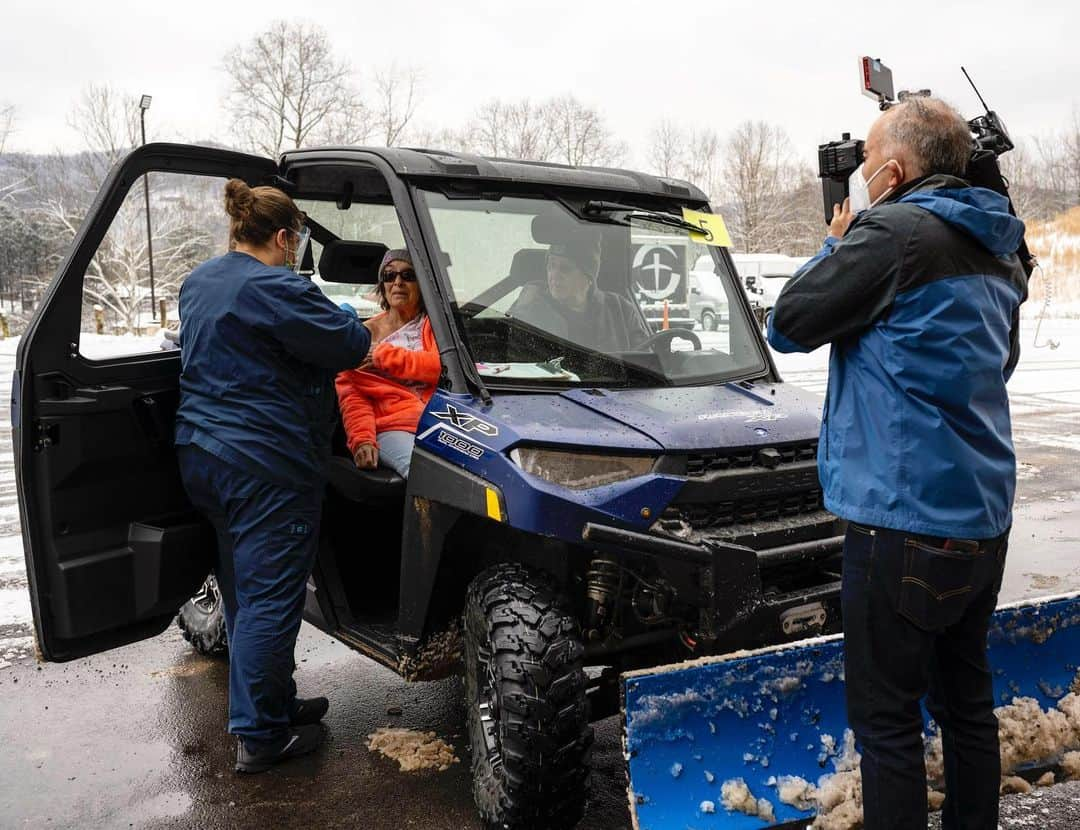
[859, 188]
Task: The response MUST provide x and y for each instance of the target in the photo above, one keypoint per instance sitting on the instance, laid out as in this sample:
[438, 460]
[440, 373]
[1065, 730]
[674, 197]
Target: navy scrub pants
[267, 536]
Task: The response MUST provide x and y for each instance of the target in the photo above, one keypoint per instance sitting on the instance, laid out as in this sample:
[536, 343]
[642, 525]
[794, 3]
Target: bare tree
[350, 126]
[443, 138]
[693, 155]
[286, 87]
[107, 119]
[758, 169]
[7, 124]
[580, 134]
[1059, 162]
[703, 164]
[1071, 156]
[512, 129]
[397, 96]
[668, 148]
[13, 180]
[1029, 183]
[116, 278]
[561, 129]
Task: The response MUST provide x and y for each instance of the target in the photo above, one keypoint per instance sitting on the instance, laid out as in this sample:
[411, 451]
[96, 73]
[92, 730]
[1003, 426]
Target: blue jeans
[267, 536]
[916, 616]
[395, 450]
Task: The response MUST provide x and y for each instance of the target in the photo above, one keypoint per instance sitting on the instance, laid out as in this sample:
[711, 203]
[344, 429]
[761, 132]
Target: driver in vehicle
[571, 306]
[382, 399]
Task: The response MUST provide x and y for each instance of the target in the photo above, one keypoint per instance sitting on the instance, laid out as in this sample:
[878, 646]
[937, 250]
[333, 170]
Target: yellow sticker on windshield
[713, 229]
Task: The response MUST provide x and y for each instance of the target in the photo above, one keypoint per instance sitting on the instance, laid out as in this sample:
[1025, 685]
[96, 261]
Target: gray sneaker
[299, 740]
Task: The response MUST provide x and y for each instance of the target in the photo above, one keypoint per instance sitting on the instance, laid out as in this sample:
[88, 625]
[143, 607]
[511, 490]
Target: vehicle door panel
[112, 545]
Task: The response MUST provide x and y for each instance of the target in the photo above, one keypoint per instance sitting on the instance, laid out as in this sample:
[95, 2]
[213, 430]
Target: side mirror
[695, 290]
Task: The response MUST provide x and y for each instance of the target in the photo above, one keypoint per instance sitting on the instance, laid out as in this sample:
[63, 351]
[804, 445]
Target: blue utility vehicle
[574, 510]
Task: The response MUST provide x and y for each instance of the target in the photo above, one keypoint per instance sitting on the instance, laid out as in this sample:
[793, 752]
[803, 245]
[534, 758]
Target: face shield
[302, 242]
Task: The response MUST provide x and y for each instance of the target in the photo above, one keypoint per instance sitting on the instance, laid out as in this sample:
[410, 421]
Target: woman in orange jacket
[382, 399]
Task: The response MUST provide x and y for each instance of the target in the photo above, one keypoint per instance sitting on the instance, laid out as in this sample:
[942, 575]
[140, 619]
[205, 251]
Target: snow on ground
[102, 346]
[15, 617]
[14, 598]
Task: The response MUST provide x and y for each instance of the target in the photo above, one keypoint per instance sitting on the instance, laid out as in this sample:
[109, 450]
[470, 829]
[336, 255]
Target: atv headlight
[580, 470]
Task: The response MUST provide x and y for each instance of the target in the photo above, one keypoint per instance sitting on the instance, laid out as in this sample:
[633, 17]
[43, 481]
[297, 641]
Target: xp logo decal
[465, 421]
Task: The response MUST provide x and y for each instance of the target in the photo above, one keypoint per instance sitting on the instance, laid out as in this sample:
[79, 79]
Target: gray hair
[931, 134]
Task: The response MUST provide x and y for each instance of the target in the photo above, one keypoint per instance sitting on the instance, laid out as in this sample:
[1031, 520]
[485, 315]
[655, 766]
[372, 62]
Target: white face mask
[859, 189]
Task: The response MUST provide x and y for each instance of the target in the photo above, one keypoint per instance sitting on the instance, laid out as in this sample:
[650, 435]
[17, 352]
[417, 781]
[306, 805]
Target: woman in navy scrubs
[260, 346]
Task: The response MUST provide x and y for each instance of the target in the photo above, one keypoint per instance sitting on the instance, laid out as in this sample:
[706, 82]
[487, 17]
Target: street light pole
[144, 105]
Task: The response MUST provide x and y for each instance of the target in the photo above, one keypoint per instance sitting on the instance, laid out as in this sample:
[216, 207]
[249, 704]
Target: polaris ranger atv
[572, 513]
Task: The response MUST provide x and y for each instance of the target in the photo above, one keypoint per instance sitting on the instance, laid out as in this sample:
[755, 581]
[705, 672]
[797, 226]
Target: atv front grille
[742, 511]
[700, 464]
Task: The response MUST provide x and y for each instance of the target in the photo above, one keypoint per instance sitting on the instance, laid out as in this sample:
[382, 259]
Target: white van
[764, 275]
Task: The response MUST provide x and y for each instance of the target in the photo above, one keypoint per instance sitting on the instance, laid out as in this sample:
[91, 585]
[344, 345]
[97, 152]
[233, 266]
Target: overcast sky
[706, 63]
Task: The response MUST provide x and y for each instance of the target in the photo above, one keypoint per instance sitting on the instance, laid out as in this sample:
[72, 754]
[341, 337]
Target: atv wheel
[203, 621]
[708, 321]
[525, 699]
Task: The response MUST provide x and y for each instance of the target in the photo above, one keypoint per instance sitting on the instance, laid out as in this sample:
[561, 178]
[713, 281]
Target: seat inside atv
[360, 543]
[355, 484]
[355, 263]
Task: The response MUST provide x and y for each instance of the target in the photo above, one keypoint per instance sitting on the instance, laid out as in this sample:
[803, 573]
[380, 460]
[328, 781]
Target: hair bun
[238, 199]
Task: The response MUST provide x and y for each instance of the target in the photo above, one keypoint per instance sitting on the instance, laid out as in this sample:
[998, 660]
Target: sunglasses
[407, 275]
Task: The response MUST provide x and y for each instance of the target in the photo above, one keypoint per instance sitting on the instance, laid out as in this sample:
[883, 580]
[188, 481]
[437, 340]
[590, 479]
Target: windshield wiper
[596, 208]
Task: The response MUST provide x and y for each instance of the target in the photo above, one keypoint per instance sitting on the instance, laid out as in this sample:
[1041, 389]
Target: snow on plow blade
[757, 726]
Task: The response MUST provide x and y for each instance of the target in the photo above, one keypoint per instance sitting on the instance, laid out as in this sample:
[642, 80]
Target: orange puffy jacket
[376, 401]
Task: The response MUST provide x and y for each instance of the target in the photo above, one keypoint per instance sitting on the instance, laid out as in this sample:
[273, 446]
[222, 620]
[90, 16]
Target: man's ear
[897, 173]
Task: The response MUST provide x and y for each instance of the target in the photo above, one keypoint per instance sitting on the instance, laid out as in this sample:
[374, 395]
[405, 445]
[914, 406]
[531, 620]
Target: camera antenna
[977, 93]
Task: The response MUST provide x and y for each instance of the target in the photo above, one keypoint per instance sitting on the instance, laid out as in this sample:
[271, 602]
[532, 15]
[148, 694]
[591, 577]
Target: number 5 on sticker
[713, 229]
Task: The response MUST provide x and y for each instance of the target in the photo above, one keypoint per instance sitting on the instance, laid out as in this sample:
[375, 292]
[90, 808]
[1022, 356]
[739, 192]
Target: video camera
[837, 160]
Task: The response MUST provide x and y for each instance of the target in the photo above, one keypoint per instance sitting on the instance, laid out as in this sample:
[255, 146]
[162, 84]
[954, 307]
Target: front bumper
[737, 608]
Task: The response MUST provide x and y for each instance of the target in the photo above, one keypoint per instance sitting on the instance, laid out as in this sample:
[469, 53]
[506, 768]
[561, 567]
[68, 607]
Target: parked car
[708, 295]
[568, 507]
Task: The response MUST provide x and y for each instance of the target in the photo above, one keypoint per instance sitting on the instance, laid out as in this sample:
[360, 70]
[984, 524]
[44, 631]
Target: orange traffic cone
[665, 325]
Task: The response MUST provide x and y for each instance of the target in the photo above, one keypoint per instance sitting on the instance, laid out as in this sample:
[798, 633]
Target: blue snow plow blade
[777, 714]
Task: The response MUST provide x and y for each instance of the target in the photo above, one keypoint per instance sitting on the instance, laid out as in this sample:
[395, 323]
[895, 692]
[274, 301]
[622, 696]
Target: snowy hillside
[1056, 244]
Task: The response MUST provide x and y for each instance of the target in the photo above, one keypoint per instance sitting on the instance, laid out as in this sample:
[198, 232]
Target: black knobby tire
[708, 321]
[525, 700]
[203, 622]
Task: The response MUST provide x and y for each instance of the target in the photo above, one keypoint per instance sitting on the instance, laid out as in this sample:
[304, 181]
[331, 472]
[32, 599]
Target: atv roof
[442, 164]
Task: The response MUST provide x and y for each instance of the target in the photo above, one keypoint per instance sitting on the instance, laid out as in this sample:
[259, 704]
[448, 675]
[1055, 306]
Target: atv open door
[113, 547]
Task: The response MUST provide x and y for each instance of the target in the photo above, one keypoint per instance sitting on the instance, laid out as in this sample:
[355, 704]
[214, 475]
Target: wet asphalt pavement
[136, 737]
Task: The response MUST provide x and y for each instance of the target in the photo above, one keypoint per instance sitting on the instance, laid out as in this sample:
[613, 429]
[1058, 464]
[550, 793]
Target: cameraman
[917, 288]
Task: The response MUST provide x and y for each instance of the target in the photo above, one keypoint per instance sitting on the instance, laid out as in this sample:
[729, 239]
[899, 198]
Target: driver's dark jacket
[609, 323]
[260, 347]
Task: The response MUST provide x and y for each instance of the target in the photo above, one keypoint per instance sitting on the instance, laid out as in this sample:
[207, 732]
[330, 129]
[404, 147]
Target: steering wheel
[665, 336]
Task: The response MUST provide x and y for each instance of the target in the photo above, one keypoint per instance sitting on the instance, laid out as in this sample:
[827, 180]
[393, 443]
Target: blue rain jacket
[260, 347]
[920, 302]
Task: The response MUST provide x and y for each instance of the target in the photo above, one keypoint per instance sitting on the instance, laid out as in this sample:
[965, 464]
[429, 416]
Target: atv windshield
[545, 293]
